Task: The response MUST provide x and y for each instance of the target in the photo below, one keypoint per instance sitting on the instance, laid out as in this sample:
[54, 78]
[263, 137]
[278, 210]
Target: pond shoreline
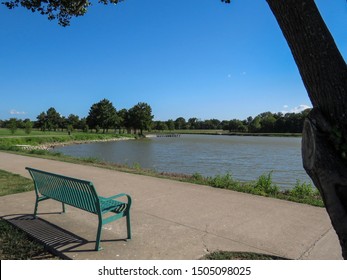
[51, 145]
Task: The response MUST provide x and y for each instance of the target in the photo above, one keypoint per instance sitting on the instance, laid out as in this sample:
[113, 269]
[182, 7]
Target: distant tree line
[263, 123]
[13, 124]
[103, 116]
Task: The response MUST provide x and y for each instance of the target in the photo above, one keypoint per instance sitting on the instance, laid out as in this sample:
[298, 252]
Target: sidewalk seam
[213, 234]
[309, 250]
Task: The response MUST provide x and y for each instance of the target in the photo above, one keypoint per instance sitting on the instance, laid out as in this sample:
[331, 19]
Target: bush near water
[264, 186]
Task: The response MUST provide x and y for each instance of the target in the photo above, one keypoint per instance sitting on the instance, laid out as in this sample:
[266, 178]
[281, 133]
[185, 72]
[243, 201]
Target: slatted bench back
[71, 191]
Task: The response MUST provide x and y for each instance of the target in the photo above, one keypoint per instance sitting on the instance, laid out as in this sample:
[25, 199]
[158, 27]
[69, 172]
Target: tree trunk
[324, 74]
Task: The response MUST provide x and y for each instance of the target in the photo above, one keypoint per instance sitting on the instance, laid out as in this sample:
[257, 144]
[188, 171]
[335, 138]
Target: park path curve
[170, 219]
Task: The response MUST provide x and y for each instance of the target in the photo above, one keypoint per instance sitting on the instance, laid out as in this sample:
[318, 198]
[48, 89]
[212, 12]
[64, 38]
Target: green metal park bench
[80, 194]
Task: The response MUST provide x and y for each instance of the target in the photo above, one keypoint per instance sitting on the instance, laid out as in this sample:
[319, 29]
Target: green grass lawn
[17, 245]
[5, 132]
[12, 183]
[14, 243]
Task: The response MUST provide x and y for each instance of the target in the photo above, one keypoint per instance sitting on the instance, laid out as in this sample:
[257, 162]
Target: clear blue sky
[185, 58]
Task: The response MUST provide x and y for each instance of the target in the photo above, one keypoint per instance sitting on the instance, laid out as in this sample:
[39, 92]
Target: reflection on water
[246, 158]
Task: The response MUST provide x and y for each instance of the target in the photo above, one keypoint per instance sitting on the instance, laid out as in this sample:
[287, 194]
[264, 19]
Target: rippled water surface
[246, 158]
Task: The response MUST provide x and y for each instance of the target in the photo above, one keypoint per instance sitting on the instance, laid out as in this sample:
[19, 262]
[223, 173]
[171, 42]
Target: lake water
[245, 157]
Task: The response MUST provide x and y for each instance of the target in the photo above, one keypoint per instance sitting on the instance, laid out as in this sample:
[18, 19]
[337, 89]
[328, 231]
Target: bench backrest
[72, 191]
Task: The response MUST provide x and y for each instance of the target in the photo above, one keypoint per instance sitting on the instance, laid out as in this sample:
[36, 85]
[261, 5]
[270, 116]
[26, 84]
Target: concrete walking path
[170, 219]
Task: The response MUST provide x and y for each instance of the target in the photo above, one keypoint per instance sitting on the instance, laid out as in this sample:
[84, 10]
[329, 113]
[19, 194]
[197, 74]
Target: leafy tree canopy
[103, 115]
[140, 116]
[62, 10]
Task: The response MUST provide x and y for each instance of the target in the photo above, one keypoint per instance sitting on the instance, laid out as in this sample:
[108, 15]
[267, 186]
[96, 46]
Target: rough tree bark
[324, 74]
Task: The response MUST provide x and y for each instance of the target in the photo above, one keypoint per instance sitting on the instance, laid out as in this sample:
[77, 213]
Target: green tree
[82, 124]
[69, 129]
[224, 125]
[192, 123]
[73, 120]
[293, 122]
[215, 123]
[102, 115]
[180, 123]
[324, 74]
[159, 125]
[62, 10]
[41, 121]
[267, 121]
[236, 125]
[12, 125]
[122, 119]
[140, 117]
[255, 125]
[280, 124]
[207, 124]
[243, 128]
[28, 126]
[170, 124]
[53, 119]
[63, 123]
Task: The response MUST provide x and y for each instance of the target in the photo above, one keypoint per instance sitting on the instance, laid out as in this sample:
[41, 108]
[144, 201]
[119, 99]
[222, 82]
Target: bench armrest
[120, 195]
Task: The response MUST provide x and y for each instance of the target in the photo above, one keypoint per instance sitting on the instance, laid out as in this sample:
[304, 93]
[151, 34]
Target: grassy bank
[12, 143]
[302, 192]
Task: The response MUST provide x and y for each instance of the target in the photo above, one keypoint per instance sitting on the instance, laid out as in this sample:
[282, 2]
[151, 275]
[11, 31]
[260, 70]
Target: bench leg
[98, 236]
[36, 205]
[128, 226]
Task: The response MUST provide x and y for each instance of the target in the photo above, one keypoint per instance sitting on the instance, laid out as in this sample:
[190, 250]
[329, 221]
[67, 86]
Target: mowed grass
[10, 142]
[13, 183]
[5, 132]
[14, 243]
[17, 245]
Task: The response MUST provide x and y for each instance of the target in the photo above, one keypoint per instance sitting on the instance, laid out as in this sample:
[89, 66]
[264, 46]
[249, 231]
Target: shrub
[265, 186]
[137, 166]
[222, 181]
[302, 190]
[28, 127]
[197, 177]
